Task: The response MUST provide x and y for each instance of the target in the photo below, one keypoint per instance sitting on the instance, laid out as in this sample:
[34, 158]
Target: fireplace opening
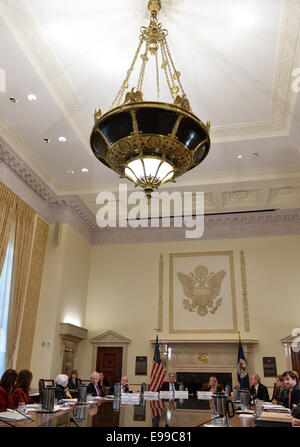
[198, 381]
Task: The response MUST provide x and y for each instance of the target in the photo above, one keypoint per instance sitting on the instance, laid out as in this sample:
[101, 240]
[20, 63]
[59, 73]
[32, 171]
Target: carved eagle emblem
[201, 288]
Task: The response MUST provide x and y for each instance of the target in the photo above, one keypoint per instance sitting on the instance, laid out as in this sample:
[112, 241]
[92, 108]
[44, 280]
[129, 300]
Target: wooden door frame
[111, 339]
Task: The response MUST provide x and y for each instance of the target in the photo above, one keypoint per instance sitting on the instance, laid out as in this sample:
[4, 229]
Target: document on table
[12, 416]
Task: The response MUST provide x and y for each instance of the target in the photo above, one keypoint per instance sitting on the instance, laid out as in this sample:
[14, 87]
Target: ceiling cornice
[70, 209]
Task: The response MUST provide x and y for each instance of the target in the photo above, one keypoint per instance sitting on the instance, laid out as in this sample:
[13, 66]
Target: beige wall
[62, 298]
[123, 295]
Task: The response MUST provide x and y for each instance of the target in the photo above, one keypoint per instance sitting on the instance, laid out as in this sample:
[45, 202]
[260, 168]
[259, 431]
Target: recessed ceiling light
[62, 139]
[70, 171]
[46, 140]
[257, 154]
[84, 170]
[13, 99]
[31, 97]
[240, 156]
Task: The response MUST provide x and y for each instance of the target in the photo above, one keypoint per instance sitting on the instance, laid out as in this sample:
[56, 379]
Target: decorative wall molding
[18, 176]
[70, 209]
[32, 295]
[277, 223]
[160, 293]
[245, 297]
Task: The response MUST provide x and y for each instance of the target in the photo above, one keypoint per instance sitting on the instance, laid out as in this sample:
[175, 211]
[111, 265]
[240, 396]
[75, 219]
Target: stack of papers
[204, 395]
[276, 408]
[269, 416]
[12, 416]
[33, 407]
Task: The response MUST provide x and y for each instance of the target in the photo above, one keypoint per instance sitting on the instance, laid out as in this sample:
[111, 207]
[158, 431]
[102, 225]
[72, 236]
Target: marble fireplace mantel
[205, 355]
[220, 340]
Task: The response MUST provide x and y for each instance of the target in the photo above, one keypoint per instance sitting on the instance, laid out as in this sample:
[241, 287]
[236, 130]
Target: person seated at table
[20, 393]
[103, 382]
[213, 385]
[171, 385]
[73, 381]
[93, 387]
[7, 384]
[280, 391]
[125, 388]
[290, 382]
[61, 387]
[258, 390]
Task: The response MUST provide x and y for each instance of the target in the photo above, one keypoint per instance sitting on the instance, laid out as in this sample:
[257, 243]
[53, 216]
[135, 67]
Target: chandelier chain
[142, 71]
[175, 72]
[166, 67]
[124, 86]
[157, 77]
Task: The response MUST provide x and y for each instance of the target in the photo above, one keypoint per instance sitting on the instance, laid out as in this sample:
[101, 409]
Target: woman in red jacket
[7, 383]
[22, 386]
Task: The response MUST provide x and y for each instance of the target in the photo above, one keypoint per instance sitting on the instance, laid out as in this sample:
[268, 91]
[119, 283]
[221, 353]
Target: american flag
[157, 407]
[157, 373]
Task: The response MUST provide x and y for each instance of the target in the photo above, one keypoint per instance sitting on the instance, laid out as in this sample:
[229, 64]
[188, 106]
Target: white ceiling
[236, 59]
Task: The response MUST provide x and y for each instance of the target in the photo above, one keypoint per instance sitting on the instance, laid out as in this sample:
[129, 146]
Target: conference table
[148, 413]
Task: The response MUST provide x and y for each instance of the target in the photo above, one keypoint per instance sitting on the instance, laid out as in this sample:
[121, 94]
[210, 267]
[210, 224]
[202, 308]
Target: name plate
[130, 397]
[204, 395]
[151, 394]
[181, 394]
[166, 395]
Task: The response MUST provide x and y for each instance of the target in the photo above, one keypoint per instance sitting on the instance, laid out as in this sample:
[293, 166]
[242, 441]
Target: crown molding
[70, 209]
[17, 176]
[277, 223]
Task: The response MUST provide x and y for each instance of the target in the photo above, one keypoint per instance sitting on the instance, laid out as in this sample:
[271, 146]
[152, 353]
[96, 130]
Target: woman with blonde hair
[213, 385]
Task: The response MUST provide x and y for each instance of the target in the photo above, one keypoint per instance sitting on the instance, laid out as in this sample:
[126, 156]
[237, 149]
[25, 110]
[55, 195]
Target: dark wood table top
[105, 413]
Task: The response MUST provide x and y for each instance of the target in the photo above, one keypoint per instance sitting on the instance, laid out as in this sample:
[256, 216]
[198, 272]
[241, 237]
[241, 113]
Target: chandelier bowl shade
[150, 142]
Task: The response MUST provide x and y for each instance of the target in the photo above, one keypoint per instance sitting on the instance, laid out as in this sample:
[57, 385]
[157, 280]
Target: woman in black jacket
[61, 387]
[73, 381]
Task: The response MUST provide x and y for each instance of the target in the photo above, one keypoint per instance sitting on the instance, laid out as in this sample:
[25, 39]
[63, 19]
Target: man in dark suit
[172, 385]
[258, 390]
[93, 387]
[290, 382]
[124, 386]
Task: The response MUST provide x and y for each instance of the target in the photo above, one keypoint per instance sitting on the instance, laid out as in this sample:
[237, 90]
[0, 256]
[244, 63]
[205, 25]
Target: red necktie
[98, 389]
[290, 395]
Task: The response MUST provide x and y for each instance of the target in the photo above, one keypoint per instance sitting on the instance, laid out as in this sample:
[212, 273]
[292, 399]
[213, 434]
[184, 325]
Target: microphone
[74, 422]
[23, 414]
[213, 419]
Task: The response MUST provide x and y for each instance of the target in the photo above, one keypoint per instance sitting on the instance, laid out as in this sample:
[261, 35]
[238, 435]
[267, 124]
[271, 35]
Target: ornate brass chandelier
[150, 143]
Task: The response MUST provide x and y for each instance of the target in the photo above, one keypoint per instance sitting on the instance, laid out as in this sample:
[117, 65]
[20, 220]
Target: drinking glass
[258, 404]
[22, 407]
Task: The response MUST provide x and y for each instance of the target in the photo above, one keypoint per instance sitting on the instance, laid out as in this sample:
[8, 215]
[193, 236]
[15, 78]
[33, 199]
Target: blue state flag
[242, 369]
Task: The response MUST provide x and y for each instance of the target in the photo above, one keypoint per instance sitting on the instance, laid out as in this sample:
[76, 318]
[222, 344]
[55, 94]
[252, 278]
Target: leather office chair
[85, 381]
[43, 383]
